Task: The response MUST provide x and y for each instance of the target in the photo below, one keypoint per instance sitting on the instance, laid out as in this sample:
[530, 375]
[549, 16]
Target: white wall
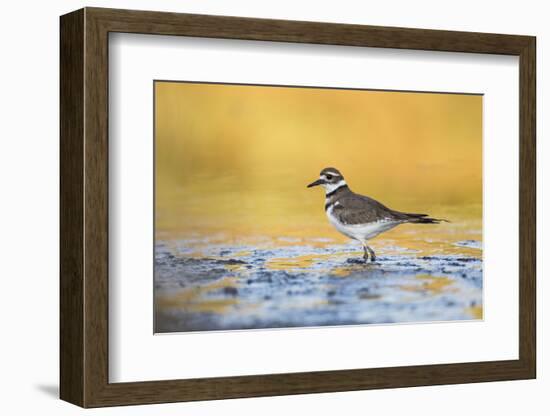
[29, 205]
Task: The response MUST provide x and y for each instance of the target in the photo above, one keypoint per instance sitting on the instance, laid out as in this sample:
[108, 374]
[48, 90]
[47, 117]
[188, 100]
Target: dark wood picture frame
[84, 207]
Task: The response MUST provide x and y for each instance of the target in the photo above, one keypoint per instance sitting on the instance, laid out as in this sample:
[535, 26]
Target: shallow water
[218, 282]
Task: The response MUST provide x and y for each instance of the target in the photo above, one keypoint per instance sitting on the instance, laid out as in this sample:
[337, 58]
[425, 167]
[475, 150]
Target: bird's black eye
[329, 177]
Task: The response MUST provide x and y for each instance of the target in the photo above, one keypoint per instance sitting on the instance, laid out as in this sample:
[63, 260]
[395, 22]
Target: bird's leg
[371, 252]
[366, 255]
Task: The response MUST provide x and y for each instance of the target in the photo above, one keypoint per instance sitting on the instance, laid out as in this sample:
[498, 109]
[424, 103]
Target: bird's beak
[316, 183]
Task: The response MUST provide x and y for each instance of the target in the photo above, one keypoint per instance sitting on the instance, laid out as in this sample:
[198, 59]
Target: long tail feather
[424, 219]
[420, 218]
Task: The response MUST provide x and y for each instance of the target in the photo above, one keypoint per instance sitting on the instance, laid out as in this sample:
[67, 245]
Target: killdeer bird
[358, 216]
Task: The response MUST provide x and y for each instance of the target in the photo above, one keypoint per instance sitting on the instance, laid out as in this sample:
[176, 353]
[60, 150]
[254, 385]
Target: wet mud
[204, 284]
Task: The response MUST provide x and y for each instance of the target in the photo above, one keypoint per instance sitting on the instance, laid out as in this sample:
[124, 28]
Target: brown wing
[358, 209]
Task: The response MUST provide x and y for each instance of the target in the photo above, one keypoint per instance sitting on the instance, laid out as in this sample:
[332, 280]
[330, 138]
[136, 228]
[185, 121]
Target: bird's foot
[371, 253]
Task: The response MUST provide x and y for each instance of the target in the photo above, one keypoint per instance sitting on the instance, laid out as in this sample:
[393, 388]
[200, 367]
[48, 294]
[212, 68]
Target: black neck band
[335, 190]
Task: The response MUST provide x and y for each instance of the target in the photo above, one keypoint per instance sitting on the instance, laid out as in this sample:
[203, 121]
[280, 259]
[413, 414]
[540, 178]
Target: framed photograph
[254, 207]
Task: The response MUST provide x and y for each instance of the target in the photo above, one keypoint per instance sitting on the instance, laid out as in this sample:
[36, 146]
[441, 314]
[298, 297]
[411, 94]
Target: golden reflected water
[239, 157]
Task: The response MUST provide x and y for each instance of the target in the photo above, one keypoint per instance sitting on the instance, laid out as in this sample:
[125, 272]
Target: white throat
[329, 187]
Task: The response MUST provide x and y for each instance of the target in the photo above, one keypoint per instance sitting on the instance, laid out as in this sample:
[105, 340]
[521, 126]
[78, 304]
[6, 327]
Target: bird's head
[330, 179]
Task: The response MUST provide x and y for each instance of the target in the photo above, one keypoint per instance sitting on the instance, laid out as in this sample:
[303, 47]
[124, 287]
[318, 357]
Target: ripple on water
[202, 284]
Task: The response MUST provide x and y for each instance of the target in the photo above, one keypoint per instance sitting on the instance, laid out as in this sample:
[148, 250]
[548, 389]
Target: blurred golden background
[237, 158]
